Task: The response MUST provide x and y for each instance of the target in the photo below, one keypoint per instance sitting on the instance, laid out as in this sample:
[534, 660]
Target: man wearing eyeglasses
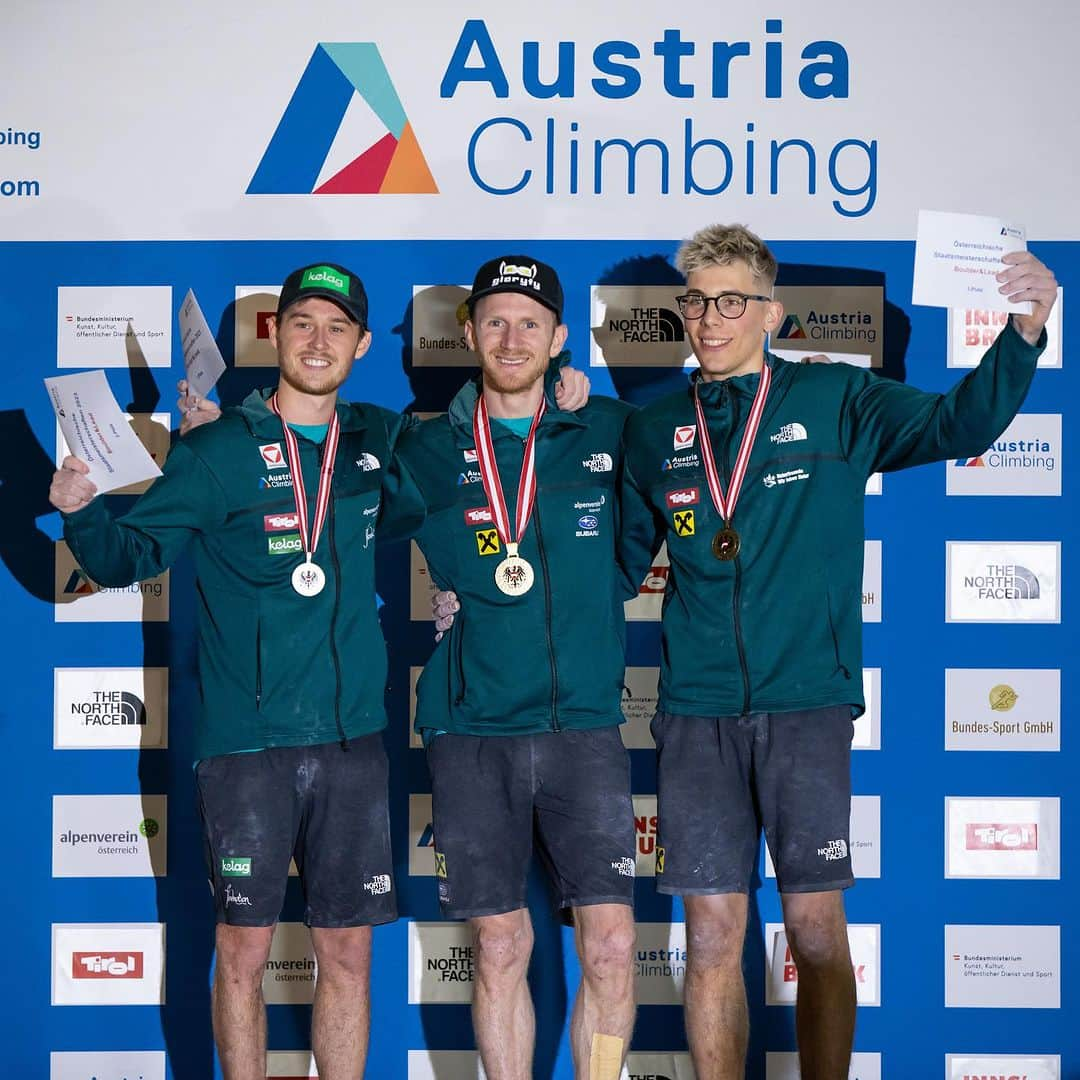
[755, 474]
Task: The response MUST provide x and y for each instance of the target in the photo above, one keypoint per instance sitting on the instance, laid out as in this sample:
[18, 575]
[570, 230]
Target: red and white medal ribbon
[308, 578]
[513, 575]
[725, 507]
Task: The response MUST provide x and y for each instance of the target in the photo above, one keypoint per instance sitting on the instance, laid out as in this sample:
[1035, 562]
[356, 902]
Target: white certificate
[97, 431]
[958, 258]
[203, 364]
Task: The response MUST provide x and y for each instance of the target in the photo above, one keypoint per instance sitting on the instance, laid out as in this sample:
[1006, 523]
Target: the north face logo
[789, 433]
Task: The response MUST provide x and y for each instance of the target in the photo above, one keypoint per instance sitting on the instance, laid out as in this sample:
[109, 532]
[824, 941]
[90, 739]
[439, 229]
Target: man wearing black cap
[280, 501]
[519, 704]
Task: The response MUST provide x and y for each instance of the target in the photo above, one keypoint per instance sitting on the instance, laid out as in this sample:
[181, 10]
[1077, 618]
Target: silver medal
[308, 579]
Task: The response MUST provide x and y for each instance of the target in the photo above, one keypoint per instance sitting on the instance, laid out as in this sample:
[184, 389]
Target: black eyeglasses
[729, 304]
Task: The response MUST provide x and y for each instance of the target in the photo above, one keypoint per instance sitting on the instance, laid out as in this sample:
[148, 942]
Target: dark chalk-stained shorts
[489, 790]
[325, 806]
[721, 780]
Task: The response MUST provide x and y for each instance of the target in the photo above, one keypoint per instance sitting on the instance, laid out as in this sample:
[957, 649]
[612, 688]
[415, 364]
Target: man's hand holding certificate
[970, 261]
[107, 453]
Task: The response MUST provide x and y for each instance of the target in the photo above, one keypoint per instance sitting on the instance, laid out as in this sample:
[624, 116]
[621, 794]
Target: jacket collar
[262, 421]
[746, 386]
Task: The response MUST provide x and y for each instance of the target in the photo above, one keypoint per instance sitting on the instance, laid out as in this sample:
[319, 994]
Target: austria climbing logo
[344, 132]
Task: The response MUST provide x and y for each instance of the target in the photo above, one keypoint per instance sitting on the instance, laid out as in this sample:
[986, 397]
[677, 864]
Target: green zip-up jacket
[552, 658]
[780, 627]
[276, 668]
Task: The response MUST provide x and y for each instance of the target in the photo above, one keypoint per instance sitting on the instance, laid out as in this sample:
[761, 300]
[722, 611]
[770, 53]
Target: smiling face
[515, 337]
[727, 347]
[316, 344]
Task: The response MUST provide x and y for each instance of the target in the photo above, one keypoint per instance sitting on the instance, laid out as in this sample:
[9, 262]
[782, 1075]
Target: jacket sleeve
[639, 534]
[404, 508]
[887, 425]
[185, 500]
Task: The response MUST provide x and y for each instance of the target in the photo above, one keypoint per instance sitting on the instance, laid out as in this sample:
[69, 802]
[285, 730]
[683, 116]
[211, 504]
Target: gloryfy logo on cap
[323, 277]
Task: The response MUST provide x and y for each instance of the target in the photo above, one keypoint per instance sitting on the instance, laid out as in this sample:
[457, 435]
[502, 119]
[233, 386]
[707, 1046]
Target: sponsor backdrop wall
[146, 152]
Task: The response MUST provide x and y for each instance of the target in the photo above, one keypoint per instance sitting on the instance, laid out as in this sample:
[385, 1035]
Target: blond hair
[720, 245]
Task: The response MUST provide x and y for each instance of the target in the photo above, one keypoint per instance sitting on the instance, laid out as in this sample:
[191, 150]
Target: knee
[818, 940]
[242, 953]
[503, 948]
[608, 952]
[715, 938]
[343, 954]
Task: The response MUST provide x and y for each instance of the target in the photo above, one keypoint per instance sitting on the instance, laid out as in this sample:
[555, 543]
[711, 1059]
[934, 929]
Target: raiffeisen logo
[313, 127]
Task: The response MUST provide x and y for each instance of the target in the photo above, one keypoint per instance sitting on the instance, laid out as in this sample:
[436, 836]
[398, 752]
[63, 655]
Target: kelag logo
[312, 121]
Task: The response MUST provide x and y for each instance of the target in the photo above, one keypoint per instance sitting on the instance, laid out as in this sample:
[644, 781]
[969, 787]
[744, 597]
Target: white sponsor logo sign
[109, 835]
[151, 429]
[1024, 460]
[445, 1065]
[420, 586]
[1002, 1067]
[639, 706]
[1002, 967]
[865, 842]
[79, 599]
[108, 964]
[1003, 582]
[110, 708]
[785, 1066]
[440, 963]
[657, 1065]
[421, 837]
[251, 339]
[108, 1065]
[291, 968]
[659, 963]
[871, 581]
[638, 326]
[972, 331]
[114, 326]
[1002, 838]
[867, 733]
[1002, 709]
[646, 606]
[645, 835]
[873, 484]
[290, 1064]
[782, 976]
[438, 327]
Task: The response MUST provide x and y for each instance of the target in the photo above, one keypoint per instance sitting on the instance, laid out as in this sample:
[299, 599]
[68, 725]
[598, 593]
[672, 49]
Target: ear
[558, 340]
[470, 335]
[773, 315]
[363, 344]
[272, 330]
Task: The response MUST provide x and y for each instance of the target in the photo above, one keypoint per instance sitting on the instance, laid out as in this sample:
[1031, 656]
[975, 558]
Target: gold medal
[726, 544]
[514, 575]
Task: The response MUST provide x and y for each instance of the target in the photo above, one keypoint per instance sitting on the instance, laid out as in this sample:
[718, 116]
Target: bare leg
[340, 1018]
[717, 1021]
[825, 1006]
[502, 1009]
[605, 999]
[239, 1014]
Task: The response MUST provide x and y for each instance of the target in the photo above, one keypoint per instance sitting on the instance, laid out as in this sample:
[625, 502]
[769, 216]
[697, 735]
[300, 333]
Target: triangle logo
[326, 145]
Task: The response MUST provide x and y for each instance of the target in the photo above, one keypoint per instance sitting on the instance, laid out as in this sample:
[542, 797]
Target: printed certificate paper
[203, 364]
[97, 431]
[957, 258]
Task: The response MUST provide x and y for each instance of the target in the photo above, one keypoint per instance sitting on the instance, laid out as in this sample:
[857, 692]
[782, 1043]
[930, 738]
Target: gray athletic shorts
[323, 805]
[487, 791]
[721, 780]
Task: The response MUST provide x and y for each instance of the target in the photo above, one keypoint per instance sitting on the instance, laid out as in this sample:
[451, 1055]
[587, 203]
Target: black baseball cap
[520, 274]
[329, 281]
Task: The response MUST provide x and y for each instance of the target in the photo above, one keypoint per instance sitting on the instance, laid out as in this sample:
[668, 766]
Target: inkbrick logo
[316, 129]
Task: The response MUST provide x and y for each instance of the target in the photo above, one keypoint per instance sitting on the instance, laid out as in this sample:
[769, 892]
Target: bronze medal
[726, 544]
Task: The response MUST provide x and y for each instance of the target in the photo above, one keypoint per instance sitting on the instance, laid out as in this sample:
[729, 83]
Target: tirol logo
[312, 151]
[235, 866]
[99, 965]
[272, 456]
[324, 277]
[289, 544]
[682, 497]
[983, 837]
[478, 515]
[281, 522]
